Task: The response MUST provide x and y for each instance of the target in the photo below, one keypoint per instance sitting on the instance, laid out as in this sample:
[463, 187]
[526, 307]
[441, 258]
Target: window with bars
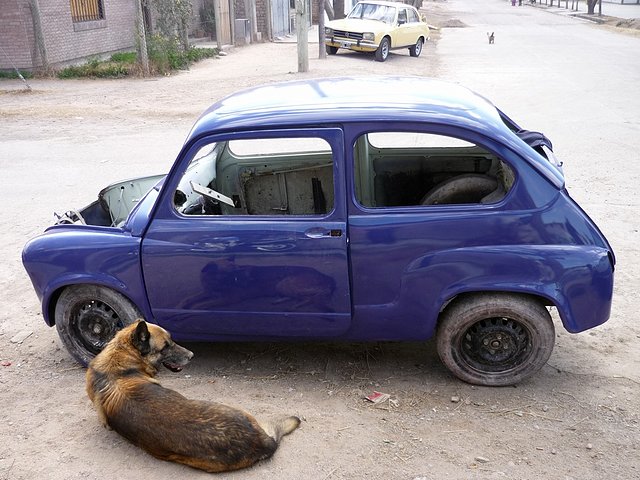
[86, 10]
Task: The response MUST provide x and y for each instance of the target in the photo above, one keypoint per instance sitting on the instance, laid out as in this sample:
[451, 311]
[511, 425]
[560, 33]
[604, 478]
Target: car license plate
[345, 45]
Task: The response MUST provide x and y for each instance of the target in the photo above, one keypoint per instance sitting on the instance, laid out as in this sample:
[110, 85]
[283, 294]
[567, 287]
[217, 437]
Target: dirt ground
[63, 141]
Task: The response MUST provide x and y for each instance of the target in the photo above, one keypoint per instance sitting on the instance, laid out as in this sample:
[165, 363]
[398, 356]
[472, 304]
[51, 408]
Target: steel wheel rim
[497, 344]
[385, 49]
[94, 323]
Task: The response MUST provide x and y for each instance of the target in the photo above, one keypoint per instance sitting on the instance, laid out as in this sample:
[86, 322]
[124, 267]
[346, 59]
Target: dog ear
[141, 337]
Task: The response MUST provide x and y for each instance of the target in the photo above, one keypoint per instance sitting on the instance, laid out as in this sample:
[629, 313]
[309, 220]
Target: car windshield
[373, 11]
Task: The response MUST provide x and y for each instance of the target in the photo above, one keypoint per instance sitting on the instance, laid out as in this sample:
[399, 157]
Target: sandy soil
[60, 143]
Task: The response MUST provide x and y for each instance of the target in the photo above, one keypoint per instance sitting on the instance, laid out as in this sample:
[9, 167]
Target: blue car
[358, 209]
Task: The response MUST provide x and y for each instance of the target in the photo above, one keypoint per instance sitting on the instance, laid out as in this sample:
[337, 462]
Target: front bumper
[348, 43]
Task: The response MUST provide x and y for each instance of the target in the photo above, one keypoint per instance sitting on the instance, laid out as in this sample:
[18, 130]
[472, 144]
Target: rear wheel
[88, 316]
[383, 50]
[331, 50]
[416, 49]
[495, 339]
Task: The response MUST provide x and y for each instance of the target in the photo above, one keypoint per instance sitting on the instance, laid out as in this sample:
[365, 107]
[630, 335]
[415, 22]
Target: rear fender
[578, 280]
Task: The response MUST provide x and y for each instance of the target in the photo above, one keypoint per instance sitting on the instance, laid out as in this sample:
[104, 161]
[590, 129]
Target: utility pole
[322, 51]
[302, 32]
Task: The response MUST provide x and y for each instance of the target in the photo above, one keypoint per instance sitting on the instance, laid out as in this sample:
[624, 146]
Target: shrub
[164, 55]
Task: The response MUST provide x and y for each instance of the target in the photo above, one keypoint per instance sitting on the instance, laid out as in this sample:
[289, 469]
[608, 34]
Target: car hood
[358, 25]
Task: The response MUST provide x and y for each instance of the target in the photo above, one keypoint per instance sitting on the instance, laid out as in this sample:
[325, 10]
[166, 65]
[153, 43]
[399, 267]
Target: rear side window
[418, 169]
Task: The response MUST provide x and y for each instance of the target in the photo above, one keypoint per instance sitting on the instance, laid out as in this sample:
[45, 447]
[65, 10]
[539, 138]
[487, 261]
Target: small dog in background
[205, 435]
[491, 37]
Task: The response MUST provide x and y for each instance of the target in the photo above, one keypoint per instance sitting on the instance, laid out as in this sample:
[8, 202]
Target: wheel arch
[541, 299]
[52, 296]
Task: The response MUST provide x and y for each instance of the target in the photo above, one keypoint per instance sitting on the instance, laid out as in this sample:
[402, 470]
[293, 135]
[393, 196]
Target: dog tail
[277, 429]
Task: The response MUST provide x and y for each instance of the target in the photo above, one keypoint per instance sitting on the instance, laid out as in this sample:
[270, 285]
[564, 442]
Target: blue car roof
[337, 100]
[360, 99]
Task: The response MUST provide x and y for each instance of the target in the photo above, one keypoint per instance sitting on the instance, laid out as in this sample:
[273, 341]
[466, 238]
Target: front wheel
[495, 339]
[416, 49]
[331, 50]
[383, 50]
[88, 316]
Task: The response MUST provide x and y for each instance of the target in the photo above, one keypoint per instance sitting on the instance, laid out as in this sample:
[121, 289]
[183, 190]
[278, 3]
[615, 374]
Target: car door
[249, 238]
[402, 33]
[415, 26]
[425, 203]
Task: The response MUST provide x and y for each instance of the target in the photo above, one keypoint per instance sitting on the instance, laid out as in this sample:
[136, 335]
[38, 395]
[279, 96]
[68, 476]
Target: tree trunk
[338, 9]
[591, 6]
[143, 56]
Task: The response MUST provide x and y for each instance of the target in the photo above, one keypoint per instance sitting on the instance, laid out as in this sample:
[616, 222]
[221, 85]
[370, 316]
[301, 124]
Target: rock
[482, 460]
[21, 336]
[455, 399]
[589, 446]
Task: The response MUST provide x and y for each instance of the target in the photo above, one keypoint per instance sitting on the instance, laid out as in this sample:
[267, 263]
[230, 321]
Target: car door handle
[321, 232]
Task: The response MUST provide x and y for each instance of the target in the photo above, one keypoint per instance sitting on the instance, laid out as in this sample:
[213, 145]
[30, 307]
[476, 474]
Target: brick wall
[17, 35]
[65, 41]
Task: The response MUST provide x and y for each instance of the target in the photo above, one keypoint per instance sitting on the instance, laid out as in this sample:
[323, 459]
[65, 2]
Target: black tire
[382, 53]
[416, 49]
[331, 50]
[88, 316]
[495, 339]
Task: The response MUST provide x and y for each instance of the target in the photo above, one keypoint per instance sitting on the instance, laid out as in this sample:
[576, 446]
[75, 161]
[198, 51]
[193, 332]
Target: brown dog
[205, 435]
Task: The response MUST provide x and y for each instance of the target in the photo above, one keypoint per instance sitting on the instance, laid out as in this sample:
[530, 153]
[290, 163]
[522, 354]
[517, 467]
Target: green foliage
[13, 74]
[195, 54]
[98, 69]
[164, 56]
[172, 19]
[124, 57]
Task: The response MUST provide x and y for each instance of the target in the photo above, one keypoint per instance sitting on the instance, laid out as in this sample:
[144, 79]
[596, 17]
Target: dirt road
[578, 418]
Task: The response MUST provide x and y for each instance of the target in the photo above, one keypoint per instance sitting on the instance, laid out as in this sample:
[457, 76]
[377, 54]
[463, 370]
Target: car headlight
[328, 31]
[369, 36]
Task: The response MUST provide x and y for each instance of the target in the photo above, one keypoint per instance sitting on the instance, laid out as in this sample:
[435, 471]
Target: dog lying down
[205, 435]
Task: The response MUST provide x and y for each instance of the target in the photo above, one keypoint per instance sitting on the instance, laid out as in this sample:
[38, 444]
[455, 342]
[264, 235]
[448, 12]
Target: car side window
[409, 169]
[402, 16]
[412, 16]
[259, 176]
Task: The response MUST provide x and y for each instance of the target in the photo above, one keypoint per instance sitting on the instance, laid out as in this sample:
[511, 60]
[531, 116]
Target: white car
[377, 26]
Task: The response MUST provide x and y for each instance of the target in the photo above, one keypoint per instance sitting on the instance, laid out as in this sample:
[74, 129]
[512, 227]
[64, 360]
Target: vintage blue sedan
[360, 209]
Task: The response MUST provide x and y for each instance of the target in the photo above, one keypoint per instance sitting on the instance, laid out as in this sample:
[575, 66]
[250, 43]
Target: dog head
[156, 347]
